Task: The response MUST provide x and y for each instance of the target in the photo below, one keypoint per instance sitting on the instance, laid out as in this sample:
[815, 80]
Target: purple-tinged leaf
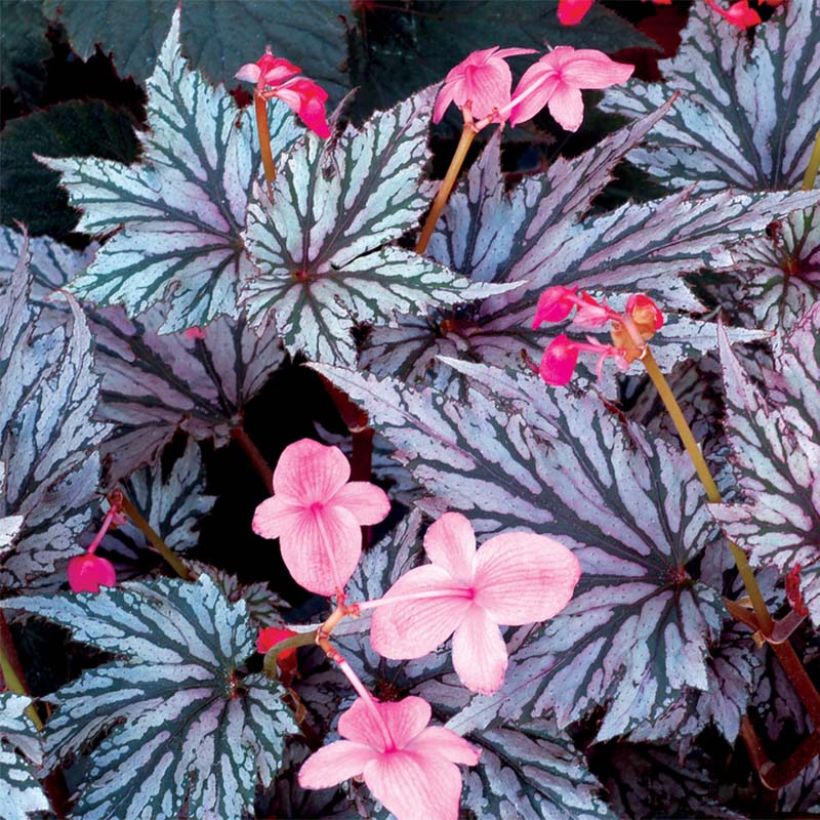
[21, 795]
[646, 781]
[48, 439]
[533, 234]
[635, 638]
[321, 246]
[777, 459]
[171, 723]
[9, 525]
[748, 117]
[180, 211]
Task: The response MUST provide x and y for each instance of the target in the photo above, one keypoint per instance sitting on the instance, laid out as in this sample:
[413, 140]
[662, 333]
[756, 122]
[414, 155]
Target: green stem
[705, 476]
[812, 167]
[467, 137]
[12, 669]
[171, 558]
[261, 107]
[272, 655]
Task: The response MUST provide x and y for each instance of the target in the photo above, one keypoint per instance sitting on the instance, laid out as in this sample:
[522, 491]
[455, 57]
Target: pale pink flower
[89, 572]
[479, 85]
[556, 80]
[513, 579]
[317, 515]
[410, 767]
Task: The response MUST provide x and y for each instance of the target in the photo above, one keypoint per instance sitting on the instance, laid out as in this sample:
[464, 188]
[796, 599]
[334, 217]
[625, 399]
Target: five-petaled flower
[276, 77]
[512, 579]
[317, 515]
[409, 766]
[629, 331]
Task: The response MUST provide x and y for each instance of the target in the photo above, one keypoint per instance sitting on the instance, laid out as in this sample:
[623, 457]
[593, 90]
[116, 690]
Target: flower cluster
[277, 77]
[480, 86]
[629, 331]
[467, 592]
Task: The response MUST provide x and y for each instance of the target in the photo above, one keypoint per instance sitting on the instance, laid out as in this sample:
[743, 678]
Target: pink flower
[87, 573]
[479, 85]
[571, 12]
[317, 515]
[556, 80]
[410, 767]
[276, 77]
[513, 579]
[738, 14]
[194, 333]
[559, 360]
[557, 302]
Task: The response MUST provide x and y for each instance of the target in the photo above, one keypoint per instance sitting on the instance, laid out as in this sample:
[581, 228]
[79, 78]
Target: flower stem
[171, 558]
[705, 476]
[12, 669]
[814, 164]
[256, 458]
[467, 137]
[261, 107]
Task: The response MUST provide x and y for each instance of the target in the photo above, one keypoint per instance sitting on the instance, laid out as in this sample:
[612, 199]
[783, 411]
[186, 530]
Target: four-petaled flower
[513, 579]
[556, 81]
[410, 767]
[317, 515]
[276, 77]
[630, 331]
[479, 85]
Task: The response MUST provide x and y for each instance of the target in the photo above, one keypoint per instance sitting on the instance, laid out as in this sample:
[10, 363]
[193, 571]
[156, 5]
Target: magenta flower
[479, 85]
[89, 572]
[571, 12]
[513, 579]
[556, 80]
[317, 515]
[276, 77]
[739, 14]
[410, 767]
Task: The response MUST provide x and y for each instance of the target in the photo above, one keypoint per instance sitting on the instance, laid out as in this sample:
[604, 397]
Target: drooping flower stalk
[254, 454]
[171, 558]
[443, 194]
[813, 166]
[260, 105]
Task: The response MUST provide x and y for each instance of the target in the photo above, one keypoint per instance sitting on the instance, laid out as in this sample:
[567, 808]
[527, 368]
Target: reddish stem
[256, 458]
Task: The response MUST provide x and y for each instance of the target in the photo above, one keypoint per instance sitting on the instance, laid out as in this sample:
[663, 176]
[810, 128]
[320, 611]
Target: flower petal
[322, 548]
[453, 748]
[443, 100]
[334, 764]
[588, 68]
[411, 629]
[479, 652]
[404, 719]
[87, 573]
[567, 107]
[450, 544]
[522, 578]
[368, 503]
[415, 787]
[360, 725]
[571, 12]
[308, 472]
[533, 91]
[486, 87]
[250, 73]
[275, 516]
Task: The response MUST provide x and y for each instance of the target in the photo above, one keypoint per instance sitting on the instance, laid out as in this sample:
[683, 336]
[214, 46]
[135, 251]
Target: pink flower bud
[645, 314]
[590, 313]
[87, 573]
[558, 363]
[571, 12]
[554, 305]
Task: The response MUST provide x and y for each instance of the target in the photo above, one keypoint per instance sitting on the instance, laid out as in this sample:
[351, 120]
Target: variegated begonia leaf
[154, 385]
[322, 245]
[21, 754]
[173, 723]
[10, 524]
[777, 459]
[777, 276]
[748, 116]
[635, 637]
[172, 500]
[529, 771]
[534, 234]
[178, 213]
[49, 439]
